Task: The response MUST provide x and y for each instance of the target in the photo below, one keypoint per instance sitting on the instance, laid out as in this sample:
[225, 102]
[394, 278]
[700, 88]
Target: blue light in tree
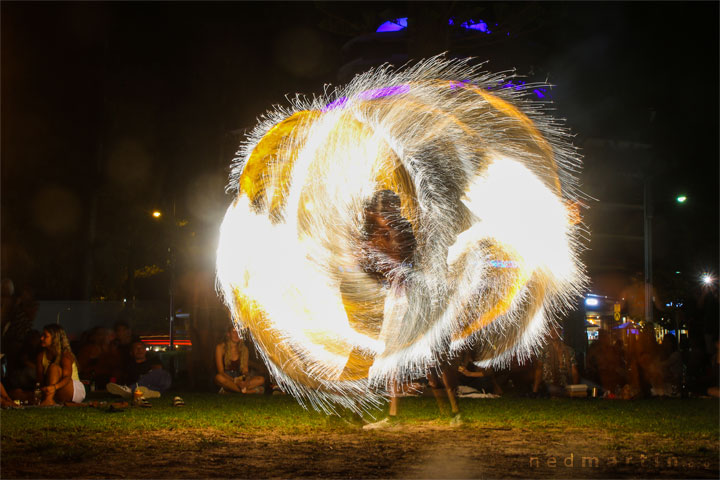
[393, 25]
[402, 23]
[479, 25]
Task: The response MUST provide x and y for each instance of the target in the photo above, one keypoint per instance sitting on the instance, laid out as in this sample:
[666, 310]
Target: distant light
[393, 25]
[402, 23]
[591, 302]
[156, 214]
[681, 199]
[706, 279]
[677, 272]
[479, 25]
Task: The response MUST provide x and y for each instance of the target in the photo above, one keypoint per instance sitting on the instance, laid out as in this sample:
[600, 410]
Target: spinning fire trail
[408, 216]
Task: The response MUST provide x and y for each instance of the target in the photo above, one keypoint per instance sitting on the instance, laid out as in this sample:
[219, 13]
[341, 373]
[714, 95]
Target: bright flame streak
[494, 265]
[538, 230]
[294, 294]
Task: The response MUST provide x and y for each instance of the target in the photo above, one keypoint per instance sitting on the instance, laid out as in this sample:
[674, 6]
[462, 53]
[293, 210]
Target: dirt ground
[426, 451]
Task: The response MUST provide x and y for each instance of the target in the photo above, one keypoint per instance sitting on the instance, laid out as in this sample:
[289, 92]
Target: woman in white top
[57, 370]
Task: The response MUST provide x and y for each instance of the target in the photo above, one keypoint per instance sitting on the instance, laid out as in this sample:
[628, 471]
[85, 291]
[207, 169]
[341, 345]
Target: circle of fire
[483, 186]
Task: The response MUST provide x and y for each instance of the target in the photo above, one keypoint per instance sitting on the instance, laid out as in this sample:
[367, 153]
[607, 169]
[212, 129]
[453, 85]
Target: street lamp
[156, 214]
[681, 199]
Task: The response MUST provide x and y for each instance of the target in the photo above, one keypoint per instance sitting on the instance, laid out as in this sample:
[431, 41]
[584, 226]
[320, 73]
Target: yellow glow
[156, 214]
[496, 239]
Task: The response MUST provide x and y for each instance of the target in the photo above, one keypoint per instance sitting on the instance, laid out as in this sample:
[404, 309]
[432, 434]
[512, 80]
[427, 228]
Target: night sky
[111, 110]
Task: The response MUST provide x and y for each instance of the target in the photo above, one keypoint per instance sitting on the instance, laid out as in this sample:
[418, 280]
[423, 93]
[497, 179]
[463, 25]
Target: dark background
[111, 110]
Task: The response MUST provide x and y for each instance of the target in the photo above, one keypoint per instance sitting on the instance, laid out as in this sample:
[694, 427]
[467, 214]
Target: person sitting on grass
[95, 358]
[6, 401]
[232, 359]
[142, 371]
[57, 371]
[556, 367]
[481, 379]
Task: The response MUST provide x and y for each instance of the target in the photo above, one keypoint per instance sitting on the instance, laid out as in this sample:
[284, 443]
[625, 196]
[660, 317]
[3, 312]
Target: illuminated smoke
[485, 178]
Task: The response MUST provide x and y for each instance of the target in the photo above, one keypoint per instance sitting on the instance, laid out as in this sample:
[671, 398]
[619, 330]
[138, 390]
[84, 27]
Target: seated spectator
[142, 371]
[119, 349]
[56, 370]
[556, 367]
[22, 374]
[232, 362]
[606, 363]
[6, 401]
[18, 314]
[671, 365]
[481, 379]
[94, 358]
[714, 390]
[124, 338]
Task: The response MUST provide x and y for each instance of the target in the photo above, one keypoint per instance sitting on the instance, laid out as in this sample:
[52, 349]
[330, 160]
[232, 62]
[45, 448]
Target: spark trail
[487, 190]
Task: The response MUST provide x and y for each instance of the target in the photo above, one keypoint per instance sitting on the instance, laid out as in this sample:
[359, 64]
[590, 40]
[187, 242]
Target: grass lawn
[272, 436]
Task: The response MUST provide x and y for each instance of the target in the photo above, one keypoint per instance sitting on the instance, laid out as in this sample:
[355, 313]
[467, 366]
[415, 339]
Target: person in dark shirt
[142, 371]
[124, 339]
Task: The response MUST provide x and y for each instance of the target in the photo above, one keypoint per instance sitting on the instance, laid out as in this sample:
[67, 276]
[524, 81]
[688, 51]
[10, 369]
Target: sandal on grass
[118, 407]
[178, 402]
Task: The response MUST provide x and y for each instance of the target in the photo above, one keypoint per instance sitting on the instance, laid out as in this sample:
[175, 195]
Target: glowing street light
[706, 279]
[681, 198]
[156, 214]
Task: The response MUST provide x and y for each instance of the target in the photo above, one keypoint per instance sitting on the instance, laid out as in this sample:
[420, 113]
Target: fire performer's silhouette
[388, 255]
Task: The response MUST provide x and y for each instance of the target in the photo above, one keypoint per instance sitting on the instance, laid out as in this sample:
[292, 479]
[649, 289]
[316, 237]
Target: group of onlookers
[47, 371]
[637, 365]
[46, 367]
[116, 361]
[617, 365]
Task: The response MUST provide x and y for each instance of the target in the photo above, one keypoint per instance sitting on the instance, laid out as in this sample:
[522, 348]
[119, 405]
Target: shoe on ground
[147, 393]
[121, 390]
[144, 403]
[456, 420]
[385, 423]
[178, 402]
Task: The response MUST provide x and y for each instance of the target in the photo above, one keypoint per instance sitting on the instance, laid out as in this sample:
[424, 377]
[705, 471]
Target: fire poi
[384, 227]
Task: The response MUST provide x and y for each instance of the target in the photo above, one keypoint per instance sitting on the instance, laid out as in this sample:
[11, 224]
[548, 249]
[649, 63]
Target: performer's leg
[438, 392]
[450, 391]
[393, 400]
